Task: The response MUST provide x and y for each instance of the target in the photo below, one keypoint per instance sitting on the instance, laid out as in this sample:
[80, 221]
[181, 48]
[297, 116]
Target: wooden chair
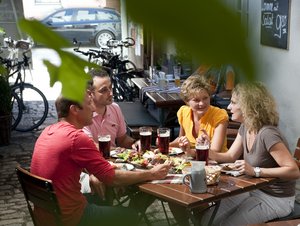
[39, 192]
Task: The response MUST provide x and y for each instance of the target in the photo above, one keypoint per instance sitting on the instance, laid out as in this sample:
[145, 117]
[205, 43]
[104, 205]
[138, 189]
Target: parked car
[87, 25]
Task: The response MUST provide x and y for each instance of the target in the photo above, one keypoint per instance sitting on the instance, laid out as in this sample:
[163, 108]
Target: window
[85, 15]
[63, 16]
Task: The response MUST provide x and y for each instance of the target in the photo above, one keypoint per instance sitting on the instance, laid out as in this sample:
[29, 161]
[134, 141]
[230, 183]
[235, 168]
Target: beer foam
[147, 133]
[202, 147]
[166, 134]
[104, 139]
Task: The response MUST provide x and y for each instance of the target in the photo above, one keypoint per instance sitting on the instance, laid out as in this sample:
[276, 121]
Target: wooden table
[166, 102]
[161, 99]
[227, 186]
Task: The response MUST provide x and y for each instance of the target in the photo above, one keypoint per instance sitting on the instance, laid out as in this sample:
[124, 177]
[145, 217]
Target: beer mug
[196, 180]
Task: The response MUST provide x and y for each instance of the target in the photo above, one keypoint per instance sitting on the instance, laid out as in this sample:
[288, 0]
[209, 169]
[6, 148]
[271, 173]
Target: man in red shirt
[61, 153]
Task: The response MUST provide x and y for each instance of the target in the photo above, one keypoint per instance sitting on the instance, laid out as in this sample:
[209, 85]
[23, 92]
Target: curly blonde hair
[257, 105]
[192, 85]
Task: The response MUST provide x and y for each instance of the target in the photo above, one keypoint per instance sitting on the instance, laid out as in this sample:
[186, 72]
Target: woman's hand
[243, 167]
[184, 143]
[203, 137]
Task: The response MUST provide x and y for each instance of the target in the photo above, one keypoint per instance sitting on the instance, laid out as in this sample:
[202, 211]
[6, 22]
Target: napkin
[234, 173]
[170, 179]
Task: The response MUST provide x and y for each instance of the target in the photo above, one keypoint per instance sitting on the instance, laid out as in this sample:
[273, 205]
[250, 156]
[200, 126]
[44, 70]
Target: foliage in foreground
[207, 29]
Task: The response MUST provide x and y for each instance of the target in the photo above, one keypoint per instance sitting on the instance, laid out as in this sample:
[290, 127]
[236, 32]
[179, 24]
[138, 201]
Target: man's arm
[123, 178]
[125, 141]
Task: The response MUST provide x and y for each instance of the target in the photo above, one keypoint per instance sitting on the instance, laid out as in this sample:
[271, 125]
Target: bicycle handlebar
[120, 43]
[9, 63]
[88, 53]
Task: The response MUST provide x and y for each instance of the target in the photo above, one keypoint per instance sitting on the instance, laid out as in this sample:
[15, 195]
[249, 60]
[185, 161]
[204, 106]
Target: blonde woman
[265, 154]
[198, 116]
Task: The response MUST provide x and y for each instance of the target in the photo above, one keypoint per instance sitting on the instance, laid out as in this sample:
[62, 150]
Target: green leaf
[43, 35]
[208, 30]
[71, 74]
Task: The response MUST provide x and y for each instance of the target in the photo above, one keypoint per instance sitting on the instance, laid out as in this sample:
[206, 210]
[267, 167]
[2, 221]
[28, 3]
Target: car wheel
[102, 37]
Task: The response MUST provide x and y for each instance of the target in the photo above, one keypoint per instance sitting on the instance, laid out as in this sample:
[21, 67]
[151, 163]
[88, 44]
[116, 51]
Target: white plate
[234, 173]
[175, 151]
[113, 154]
[125, 166]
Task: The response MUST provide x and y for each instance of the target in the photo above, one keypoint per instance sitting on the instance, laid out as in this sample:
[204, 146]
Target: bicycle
[29, 105]
[120, 72]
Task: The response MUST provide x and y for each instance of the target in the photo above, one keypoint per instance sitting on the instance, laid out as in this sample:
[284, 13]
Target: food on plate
[150, 159]
[228, 166]
[175, 151]
[178, 164]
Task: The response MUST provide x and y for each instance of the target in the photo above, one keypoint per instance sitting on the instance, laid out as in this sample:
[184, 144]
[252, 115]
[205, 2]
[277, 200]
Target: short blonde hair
[192, 85]
[257, 105]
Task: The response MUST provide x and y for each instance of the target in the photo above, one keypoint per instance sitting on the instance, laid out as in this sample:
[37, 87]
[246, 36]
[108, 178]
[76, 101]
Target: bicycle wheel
[122, 88]
[34, 107]
[16, 110]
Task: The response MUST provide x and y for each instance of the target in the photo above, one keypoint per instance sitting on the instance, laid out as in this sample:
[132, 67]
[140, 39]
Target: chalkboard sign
[275, 23]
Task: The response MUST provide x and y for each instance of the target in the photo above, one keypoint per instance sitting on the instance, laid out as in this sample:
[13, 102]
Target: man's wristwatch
[257, 171]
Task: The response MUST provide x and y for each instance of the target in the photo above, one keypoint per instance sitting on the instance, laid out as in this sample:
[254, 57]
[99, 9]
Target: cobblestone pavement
[13, 209]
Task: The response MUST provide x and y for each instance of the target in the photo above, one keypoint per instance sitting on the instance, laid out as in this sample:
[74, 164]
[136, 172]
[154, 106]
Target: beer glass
[104, 145]
[177, 72]
[145, 138]
[163, 135]
[202, 149]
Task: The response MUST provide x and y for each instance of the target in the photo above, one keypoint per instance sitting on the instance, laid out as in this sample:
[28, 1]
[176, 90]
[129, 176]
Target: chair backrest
[297, 153]
[39, 192]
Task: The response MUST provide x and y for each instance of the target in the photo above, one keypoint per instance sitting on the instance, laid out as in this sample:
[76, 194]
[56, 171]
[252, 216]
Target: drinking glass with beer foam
[145, 138]
[104, 145]
[202, 149]
[163, 135]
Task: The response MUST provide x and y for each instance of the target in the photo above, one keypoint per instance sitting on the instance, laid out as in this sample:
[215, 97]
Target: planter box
[5, 129]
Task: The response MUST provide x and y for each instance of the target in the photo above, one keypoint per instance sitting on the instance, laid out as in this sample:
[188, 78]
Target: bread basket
[212, 174]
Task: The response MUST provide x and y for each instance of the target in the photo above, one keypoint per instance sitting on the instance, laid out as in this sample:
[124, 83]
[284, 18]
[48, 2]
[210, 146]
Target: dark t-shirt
[259, 156]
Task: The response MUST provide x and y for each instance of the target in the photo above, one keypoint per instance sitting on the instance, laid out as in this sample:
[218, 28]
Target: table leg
[196, 219]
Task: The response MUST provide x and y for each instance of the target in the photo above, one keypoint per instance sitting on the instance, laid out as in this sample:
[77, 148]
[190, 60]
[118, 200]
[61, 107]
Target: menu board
[275, 23]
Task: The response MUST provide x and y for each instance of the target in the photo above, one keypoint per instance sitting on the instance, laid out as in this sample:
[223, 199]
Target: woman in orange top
[198, 116]
[195, 118]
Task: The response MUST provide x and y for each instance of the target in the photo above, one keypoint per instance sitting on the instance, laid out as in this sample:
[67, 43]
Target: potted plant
[5, 102]
[5, 110]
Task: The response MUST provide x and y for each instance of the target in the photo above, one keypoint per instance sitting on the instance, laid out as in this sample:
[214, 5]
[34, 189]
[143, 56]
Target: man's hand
[160, 171]
[136, 145]
[97, 186]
